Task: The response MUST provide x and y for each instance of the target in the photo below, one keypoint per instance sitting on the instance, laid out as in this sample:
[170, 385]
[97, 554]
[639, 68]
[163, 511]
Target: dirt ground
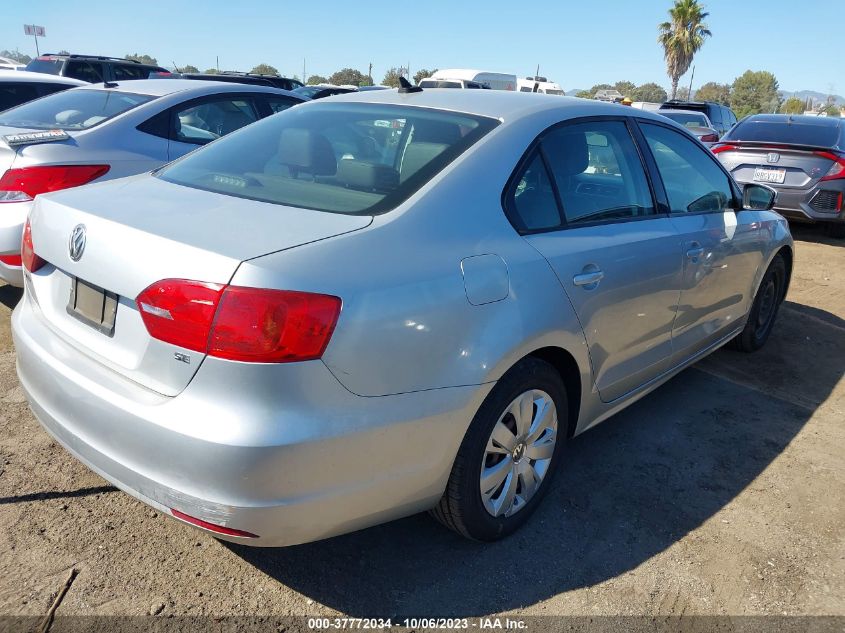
[721, 493]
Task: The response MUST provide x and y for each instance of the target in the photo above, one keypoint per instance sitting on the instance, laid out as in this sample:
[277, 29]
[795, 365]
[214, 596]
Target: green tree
[754, 92]
[391, 78]
[212, 71]
[832, 110]
[349, 76]
[650, 92]
[585, 94]
[683, 94]
[682, 37]
[313, 80]
[423, 73]
[793, 105]
[63, 52]
[16, 55]
[712, 91]
[189, 69]
[265, 69]
[625, 87]
[144, 59]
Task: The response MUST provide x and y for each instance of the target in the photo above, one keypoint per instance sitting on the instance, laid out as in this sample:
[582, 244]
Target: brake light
[11, 260]
[237, 323]
[837, 170]
[23, 184]
[722, 148]
[29, 259]
[710, 138]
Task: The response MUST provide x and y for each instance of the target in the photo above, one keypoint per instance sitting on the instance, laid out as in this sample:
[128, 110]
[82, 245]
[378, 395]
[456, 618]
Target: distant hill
[571, 92]
[817, 96]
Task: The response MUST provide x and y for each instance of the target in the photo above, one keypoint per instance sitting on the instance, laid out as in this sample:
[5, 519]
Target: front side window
[350, 158]
[694, 182]
[76, 109]
[201, 123]
[598, 172]
[277, 104]
[92, 72]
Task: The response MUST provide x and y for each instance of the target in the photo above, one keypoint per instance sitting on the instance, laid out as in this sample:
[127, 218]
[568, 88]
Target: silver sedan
[105, 131]
[383, 303]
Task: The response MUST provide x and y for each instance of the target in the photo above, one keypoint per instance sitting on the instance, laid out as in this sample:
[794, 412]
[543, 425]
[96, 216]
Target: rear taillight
[213, 527]
[710, 138]
[29, 259]
[238, 323]
[722, 148]
[23, 184]
[837, 170]
[11, 260]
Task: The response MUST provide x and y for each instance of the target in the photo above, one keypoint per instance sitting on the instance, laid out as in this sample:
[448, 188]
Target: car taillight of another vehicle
[29, 259]
[709, 138]
[24, 183]
[722, 148]
[238, 323]
[837, 170]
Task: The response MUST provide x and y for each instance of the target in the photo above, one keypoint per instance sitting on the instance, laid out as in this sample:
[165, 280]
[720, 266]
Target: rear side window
[350, 158]
[716, 116]
[12, 94]
[533, 203]
[92, 72]
[125, 72]
[72, 109]
[815, 131]
[694, 182]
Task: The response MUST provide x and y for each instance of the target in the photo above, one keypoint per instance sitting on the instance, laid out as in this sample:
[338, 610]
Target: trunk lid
[140, 230]
[802, 167]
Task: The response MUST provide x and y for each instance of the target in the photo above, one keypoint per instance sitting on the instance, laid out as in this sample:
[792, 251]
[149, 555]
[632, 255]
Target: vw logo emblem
[773, 157]
[76, 245]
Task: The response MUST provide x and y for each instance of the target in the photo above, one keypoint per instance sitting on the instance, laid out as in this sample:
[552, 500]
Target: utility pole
[689, 96]
[303, 71]
[217, 63]
[370, 73]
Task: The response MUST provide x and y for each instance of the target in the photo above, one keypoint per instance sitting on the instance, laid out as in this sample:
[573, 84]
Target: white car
[10, 64]
[20, 86]
[105, 131]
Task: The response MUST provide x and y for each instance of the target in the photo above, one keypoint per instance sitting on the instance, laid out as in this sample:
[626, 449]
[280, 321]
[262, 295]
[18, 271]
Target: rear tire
[836, 230]
[509, 454]
[764, 310]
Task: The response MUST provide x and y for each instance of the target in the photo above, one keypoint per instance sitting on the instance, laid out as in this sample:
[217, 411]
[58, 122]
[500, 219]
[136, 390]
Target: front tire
[761, 319]
[509, 454]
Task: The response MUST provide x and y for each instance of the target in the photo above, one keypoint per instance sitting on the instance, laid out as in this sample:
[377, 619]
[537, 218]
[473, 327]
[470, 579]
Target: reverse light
[29, 259]
[238, 323]
[24, 183]
[219, 529]
[837, 170]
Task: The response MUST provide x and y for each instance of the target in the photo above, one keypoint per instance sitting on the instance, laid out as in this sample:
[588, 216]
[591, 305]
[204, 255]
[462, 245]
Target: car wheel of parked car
[836, 230]
[509, 454]
[765, 308]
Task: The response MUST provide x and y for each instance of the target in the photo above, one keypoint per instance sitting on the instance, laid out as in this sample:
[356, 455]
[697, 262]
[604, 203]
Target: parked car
[721, 117]
[20, 86]
[801, 157]
[321, 91]
[468, 78]
[95, 133]
[539, 84]
[695, 122]
[322, 322]
[10, 64]
[92, 68]
[234, 77]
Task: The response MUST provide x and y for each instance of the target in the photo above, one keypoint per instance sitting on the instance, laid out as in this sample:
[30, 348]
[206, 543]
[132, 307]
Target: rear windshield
[688, 119]
[816, 132]
[349, 158]
[78, 109]
[433, 83]
[47, 65]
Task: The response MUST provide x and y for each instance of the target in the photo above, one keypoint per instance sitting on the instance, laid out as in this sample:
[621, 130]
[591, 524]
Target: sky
[577, 44]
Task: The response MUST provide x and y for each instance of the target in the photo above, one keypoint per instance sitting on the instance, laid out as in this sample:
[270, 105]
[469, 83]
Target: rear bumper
[797, 204]
[12, 219]
[284, 452]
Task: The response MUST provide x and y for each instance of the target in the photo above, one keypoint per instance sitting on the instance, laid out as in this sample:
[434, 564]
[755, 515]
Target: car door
[583, 200]
[200, 121]
[722, 247]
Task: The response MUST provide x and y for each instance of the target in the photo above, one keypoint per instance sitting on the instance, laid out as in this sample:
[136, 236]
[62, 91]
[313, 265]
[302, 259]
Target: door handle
[588, 279]
[695, 252]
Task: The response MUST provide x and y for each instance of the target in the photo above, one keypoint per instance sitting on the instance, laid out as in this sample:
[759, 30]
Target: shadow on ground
[629, 489]
[814, 233]
[9, 296]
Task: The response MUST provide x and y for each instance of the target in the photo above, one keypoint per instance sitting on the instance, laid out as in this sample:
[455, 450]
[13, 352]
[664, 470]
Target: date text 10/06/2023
[484, 623]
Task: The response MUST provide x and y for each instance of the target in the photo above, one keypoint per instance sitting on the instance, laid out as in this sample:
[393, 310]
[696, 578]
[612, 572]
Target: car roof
[163, 87]
[26, 76]
[497, 104]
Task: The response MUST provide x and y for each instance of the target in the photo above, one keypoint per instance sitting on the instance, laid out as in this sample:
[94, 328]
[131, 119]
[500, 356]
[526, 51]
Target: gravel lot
[721, 493]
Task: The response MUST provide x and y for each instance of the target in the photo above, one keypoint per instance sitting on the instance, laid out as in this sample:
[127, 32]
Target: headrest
[568, 153]
[307, 151]
[367, 176]
[436, 132]
[68, 117]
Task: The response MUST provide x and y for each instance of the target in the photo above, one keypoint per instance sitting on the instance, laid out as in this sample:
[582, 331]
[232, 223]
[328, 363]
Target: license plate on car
[770, 174]
[92, 305]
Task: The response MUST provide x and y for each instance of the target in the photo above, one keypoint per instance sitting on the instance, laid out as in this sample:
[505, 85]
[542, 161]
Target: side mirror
[758, 197]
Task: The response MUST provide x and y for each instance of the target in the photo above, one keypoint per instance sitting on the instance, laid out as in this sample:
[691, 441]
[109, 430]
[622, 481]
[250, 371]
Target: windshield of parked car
[75, 109]
[799, 130]
[350, 158]
[687, 119]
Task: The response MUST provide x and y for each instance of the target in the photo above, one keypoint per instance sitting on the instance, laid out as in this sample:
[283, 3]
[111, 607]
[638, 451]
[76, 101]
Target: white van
[543, 85]
[466, 78]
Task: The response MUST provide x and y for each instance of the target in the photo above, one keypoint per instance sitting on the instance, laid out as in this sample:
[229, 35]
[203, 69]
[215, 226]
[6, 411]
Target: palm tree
[682, 37]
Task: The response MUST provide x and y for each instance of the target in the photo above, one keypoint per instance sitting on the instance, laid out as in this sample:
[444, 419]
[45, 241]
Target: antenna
[405, 86]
